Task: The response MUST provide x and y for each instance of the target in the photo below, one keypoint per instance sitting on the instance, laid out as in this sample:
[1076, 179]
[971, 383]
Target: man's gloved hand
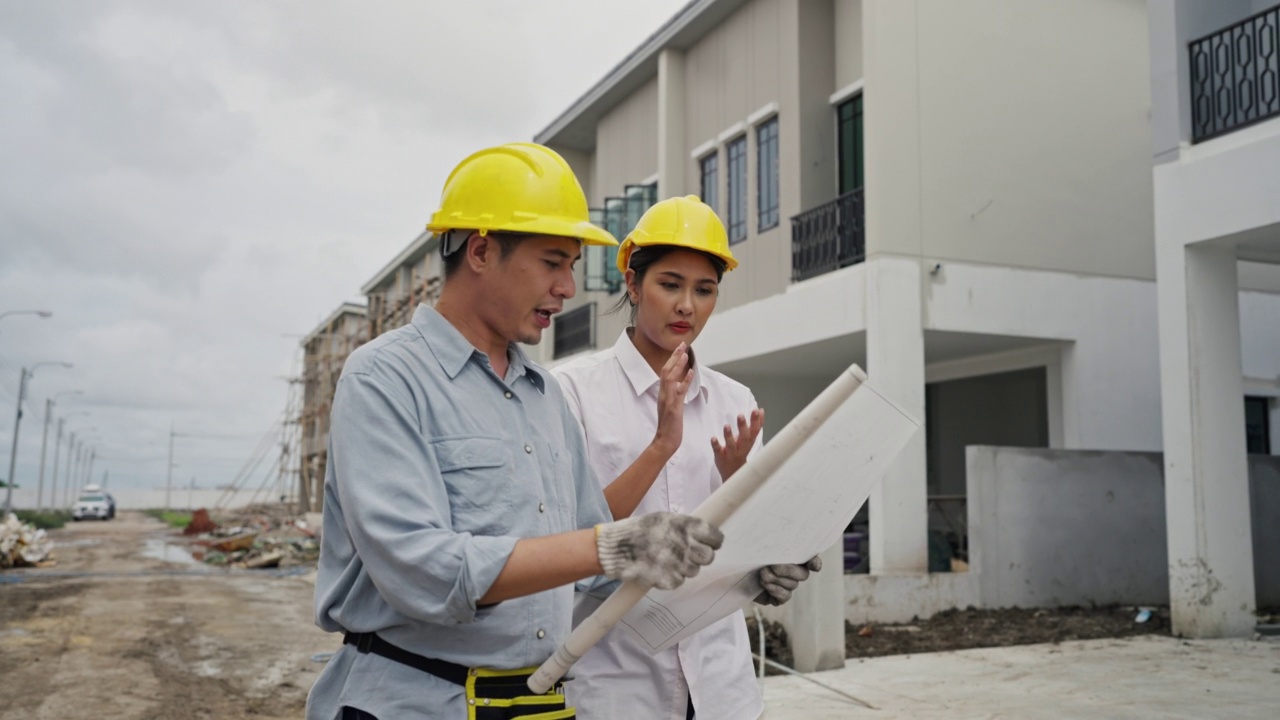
[779, 580]
[659, 549]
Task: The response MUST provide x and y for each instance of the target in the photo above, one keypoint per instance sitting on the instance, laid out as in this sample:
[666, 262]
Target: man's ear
[481, 251]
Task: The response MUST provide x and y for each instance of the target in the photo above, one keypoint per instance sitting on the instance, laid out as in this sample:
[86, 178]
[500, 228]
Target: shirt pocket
[563, 490]
[477, 473]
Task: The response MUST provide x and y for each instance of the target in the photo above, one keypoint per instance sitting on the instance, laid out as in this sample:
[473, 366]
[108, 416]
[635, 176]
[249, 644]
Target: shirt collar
[452, 350]
[641, 376]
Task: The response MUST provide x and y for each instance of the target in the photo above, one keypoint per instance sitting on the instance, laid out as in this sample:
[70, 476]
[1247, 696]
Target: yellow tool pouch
[504, 695]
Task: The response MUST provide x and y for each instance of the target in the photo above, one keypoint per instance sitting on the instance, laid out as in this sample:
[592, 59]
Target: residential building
[324, 351]
[956, 196]
[411, 278]
[1215, 69]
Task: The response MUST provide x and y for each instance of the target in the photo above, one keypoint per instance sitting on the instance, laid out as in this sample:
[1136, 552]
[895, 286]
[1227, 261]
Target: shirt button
[542, 507]
[675, 508]
[528, 449]
[507, 395]
[542, 634]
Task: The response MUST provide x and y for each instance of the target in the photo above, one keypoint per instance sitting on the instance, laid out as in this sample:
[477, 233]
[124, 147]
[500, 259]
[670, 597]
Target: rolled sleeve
[396, 508]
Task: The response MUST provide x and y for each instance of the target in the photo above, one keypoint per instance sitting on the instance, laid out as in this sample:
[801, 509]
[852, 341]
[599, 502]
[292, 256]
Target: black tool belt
[371, 643]
[490, 694]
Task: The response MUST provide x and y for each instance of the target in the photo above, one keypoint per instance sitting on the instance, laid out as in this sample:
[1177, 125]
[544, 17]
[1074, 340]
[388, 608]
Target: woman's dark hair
[643, 257]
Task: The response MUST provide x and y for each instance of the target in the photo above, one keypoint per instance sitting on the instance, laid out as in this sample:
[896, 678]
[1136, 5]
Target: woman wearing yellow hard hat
[670, 431]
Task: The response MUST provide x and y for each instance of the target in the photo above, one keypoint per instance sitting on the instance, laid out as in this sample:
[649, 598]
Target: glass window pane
[767, 174]
[710, 180]
[738, 190]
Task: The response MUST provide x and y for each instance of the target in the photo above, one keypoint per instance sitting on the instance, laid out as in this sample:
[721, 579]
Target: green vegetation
[171, 518]
[46, 520]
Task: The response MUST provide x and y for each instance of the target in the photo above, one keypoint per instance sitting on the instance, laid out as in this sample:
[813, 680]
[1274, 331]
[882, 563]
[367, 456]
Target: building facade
[1215, 79]
[324, 352]
[956, 196]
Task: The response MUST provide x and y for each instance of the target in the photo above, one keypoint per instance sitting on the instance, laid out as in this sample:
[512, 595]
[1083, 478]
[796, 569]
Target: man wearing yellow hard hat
[459, 507]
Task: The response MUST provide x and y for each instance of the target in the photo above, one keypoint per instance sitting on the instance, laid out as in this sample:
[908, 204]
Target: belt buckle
[364, 643]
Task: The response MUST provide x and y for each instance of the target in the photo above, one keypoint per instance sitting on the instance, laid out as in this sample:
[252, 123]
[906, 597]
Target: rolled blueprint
[716, 509]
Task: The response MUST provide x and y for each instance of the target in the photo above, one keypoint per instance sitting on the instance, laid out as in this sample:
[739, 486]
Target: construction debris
[259, 536]
[200, 523]
[21, 544]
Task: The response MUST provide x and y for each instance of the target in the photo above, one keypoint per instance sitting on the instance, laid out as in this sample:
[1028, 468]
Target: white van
[94, 502]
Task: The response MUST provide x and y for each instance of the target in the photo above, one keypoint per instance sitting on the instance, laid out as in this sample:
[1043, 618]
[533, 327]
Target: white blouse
[614, 395]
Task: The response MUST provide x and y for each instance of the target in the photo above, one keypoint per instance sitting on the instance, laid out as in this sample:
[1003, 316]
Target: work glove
[779, 580]
[659, 549]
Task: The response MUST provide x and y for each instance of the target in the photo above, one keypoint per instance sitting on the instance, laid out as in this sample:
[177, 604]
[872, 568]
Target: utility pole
[168, 482]
[88, 475]
[13, 453]
[74, 475]
[23, 378]
[53, 477]
[44, 441]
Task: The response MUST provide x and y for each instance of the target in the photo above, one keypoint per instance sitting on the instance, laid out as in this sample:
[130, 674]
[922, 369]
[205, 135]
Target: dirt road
[127, 626]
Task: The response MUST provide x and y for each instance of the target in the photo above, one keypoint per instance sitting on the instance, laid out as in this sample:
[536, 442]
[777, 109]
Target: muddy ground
[966, 629]
[127, 626]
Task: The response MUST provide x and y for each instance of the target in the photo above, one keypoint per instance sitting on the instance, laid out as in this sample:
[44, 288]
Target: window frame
[856, 136]
[713, 159]
[767, 186]
[736, 169]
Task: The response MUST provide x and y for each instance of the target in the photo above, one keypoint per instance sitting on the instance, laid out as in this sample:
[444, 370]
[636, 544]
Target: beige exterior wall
[627, 144]
[848, 24]
[1010, 132]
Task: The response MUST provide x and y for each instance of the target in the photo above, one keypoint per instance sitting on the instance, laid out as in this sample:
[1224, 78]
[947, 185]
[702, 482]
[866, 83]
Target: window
[849, 143]
[619, 217]
[575, 330]
[767, 173]
[710, 166]
[738, 189]
[1257, 426]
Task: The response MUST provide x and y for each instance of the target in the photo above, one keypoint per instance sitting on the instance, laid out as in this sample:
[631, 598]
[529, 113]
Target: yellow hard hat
[682, 222]
[519, 188]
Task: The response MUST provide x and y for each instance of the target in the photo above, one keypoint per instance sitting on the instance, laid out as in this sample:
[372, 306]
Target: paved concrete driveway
[1143, 677]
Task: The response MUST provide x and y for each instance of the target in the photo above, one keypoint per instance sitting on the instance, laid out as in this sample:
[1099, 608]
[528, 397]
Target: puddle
[78, 543]
[160, 549]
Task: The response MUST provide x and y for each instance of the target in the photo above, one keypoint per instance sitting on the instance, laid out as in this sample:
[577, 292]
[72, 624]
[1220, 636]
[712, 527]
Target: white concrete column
[672, 155]
[1211, 583]
[895, 240]
[895, 363]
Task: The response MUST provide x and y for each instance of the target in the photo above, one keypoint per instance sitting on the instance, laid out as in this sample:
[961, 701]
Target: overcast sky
[190, 186]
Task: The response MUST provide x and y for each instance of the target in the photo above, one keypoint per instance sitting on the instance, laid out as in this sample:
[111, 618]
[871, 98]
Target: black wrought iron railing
[828, 237]
[1235, 76]
[575, 330]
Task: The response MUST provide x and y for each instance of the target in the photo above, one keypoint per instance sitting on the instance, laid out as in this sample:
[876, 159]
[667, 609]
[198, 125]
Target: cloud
[190, 186]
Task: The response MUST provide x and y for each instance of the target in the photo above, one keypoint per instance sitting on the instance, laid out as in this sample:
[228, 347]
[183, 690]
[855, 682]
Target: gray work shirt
[436, 467]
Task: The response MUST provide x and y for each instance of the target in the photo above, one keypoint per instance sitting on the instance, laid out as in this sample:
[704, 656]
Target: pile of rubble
[21, 544]
[259, 536]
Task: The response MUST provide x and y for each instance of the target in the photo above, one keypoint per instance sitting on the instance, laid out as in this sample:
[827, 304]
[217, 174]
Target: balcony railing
[1235, 76]
[828, 237]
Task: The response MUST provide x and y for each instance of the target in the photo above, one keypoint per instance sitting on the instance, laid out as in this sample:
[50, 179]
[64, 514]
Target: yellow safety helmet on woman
[685, 222]
[517, 188]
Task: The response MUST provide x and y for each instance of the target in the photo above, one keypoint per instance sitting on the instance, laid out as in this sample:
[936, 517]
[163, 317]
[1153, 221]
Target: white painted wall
[1012, 132]
[627, 143]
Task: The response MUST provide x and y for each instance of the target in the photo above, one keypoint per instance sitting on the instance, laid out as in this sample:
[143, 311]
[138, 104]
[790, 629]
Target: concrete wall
[1008, 409]
[1055, 528]
[848, 23]
[1010, 132]
[627, 143]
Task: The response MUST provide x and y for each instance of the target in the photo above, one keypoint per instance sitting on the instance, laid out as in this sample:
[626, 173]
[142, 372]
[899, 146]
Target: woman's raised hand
[673, 384]
[732, 454]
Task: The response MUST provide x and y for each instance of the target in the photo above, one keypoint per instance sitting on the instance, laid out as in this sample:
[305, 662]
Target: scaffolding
[324, 352]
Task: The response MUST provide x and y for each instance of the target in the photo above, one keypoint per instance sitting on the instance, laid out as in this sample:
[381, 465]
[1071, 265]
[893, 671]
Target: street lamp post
[41, 313]
[56, 448]
[44, 441]
[23, 377]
